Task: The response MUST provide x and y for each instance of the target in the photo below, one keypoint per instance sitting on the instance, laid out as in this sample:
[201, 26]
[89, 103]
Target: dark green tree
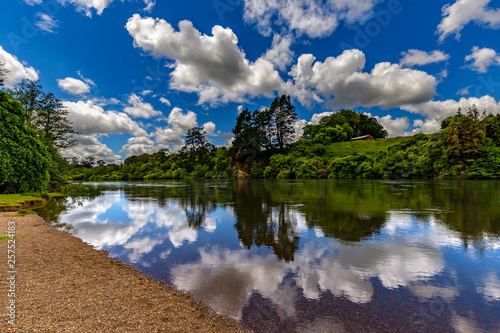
[24, 161]
[196, 142]
[284, 117]
[251, 131]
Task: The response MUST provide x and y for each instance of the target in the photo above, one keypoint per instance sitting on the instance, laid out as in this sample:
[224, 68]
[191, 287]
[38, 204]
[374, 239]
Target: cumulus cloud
[342, 81]
[481, 59]
[462, 12]
[89, 118]
[46, 22]
[73, 86]
[16, 71]
[179, 123]
[394, 127]
[314, 18]
[140, 109]
[214, 66]
[415, 57]
[89, 146]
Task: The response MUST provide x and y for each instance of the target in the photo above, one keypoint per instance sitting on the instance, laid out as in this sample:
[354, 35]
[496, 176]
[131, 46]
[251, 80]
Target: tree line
[264, 146]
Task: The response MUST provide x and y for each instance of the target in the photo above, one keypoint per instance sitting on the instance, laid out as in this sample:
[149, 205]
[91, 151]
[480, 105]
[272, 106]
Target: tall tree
[47, 115]
[466, 137]
[284, 117]
[251, 131]
[197, 144]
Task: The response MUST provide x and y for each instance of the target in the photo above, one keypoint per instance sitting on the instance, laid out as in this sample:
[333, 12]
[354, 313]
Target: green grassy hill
[340, 149]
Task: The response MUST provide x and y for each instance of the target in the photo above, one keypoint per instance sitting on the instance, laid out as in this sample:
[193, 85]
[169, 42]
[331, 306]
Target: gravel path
[65, 285]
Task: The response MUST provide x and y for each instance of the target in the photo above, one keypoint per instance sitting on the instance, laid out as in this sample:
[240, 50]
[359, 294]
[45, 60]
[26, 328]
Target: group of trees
[34, 130]
[466, 147]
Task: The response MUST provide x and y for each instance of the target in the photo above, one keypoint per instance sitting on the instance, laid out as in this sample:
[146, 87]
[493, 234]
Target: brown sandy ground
[65, 285]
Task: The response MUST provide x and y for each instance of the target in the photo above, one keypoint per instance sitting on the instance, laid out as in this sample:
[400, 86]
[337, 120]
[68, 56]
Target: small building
[364, 137]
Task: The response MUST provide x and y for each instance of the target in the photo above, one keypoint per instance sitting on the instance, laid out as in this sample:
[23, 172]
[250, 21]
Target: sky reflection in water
[313, 255]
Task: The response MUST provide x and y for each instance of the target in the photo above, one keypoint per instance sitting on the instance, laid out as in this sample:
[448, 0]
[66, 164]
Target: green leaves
[24, 161]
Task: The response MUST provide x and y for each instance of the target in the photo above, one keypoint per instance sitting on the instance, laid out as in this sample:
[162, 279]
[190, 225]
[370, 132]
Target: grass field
[340, 149]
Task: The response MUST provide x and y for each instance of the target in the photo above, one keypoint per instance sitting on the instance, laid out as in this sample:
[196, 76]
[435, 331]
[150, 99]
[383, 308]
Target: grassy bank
[13, 202]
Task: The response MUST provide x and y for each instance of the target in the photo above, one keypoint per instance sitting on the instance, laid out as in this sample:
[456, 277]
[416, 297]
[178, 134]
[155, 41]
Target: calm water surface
[310, 256]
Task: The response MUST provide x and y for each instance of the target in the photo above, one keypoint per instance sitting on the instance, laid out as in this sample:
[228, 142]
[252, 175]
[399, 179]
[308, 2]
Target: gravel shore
[65, 285]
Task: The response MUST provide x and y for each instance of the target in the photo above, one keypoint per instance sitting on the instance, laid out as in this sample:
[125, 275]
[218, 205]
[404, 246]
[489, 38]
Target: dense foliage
[24, 160]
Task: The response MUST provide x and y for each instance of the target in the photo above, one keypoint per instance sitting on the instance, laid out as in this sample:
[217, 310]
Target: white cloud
[87, 5]
[140, 109]
[73, 86]
[464, 91]
[482, 59]
[89, 146]
[414, 57]
[46, 22]
[462, 12]
[33, 2]
[314, 18]
[394, 127]
[212, 66]
[149, 5]
[16, 71]
[146, 92]
[179, 123]
[89, 118]
[209, 127]
[165, 101]
[280, 54]
[387, 85]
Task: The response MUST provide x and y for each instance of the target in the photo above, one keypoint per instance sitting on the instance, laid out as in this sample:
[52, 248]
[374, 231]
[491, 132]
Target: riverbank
[65, 285]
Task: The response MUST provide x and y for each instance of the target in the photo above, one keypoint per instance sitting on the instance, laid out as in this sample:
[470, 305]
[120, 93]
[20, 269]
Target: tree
[24, 161]
[284, 117]
[465, 139]
[251, 131]
[47, 115]
[197, 143]
[3, 73]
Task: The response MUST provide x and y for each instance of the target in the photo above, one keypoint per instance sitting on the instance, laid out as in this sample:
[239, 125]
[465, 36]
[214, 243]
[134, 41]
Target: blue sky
[136, 75]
